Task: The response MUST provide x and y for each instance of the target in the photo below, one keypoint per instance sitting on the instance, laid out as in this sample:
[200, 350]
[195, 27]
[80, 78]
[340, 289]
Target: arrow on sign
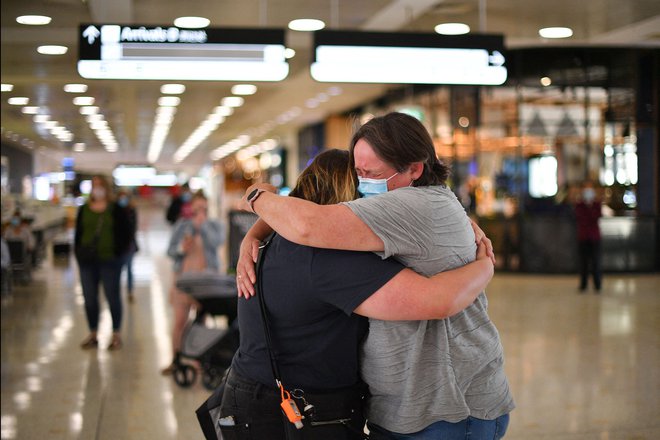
[91, 33]
[496, 59]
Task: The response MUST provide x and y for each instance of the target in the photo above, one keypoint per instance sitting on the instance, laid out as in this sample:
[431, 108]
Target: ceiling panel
[129, 106]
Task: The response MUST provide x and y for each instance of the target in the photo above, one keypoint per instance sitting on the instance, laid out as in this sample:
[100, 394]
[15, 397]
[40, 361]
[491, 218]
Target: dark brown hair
[399, 140]
[328, 180]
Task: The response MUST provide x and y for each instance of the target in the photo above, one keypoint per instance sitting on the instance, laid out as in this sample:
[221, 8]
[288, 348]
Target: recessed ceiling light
[7, 87]
[306, 24]
[30, 109]
[546, 81]
[452, 28]
[172, 89]
[52, 49]
[192, 22]
[556, 32]
[83, 100]
[244, 89]
[18, 100]
[232, 101]
[34, 20]
[169, 101]
[75, 88]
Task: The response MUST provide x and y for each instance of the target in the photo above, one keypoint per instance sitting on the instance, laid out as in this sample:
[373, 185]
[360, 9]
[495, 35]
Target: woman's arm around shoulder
[305, 222]
[410, 296]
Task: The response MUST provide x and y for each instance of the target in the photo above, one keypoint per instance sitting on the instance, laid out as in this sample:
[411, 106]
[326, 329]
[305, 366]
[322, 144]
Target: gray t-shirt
[421, 372]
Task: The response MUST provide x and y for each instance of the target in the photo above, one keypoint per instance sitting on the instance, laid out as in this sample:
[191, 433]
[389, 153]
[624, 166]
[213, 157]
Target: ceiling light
[30, 110]
[39, 119]
[75, 88]
[306, 25]
[556, 32]
[191, 22]
[223, 110]
[83, 100]
[335, 91]
[546, 81]
[244, 89]
[232, 101]
[169, 101]
[172, 89]
[289, 53]
[79, 147]
[452, 28]
[52, 49]
[88, 110]
[7, 87]
[18, 100]
[34, 20]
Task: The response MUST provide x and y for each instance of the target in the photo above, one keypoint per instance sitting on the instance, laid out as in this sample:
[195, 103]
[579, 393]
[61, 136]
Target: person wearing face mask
[101, 241]
[18, 229]
[125, 202]
[193, 247]
[587, 214]
[427, 379]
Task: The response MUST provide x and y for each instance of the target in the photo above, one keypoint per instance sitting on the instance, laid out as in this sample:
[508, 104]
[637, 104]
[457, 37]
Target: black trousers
[251, 411]
[590, 261]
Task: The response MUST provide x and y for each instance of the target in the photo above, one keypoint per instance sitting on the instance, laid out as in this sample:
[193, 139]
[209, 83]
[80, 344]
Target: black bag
[208, 414]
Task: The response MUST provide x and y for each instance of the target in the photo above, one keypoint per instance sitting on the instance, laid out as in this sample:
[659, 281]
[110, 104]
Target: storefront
[519, 152]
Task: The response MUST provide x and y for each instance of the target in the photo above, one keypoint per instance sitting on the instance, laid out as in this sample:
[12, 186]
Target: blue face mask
[123, 202]
[373, 187]
[186, 197]
[15, 221]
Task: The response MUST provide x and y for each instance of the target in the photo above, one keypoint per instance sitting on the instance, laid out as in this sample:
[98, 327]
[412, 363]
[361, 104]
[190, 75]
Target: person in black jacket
[124, 200]
[102, 239]
[179, 207]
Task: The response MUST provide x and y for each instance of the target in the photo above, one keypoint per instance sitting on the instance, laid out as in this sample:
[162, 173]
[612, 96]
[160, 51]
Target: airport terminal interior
[531, 103]
[581, 366]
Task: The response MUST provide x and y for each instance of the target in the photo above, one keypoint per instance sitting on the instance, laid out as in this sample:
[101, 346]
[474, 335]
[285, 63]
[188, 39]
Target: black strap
[264, 313]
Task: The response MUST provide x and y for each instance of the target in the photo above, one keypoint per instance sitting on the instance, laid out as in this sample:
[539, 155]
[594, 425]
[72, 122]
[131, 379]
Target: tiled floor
[580, 366]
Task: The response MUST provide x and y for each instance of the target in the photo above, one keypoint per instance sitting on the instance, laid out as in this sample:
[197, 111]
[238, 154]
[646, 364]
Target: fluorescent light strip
[162, 123]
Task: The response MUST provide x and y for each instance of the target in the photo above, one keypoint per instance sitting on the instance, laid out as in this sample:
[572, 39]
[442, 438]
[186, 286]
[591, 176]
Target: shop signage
[408, 58]
[112, 51]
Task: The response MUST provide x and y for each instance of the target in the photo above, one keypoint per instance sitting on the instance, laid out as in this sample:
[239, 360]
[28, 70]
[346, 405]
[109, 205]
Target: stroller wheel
[212, 379]
[185, 375]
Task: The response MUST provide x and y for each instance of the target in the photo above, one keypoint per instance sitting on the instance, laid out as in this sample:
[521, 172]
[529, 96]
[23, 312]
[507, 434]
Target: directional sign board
[408, 58]
[112, 51]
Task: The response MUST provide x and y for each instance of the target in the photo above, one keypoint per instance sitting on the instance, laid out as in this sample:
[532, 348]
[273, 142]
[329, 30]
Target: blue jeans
[467, 429]
[107, 273]
[128, 263]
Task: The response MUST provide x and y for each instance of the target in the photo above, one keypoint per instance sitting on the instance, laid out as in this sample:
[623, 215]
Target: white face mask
[372, 187]
[98, 193]
[588, 195]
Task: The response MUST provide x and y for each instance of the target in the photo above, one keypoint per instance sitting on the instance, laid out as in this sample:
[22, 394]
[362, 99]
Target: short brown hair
[328, 180]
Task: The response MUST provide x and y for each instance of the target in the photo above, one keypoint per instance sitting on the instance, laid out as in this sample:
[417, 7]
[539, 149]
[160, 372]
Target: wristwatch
[254, 195]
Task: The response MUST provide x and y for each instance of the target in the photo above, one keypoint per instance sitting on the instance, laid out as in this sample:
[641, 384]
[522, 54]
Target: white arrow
[496, 59]
[91, 33]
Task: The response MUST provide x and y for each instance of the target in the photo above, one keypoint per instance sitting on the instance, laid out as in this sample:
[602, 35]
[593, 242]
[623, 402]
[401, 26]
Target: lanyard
[288, 404]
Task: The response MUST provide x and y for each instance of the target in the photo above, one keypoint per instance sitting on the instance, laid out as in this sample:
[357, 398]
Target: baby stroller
[212, 347]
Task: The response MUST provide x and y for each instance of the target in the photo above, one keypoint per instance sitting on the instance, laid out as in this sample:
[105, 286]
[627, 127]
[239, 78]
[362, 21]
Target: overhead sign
[408, 58]
[111, 51]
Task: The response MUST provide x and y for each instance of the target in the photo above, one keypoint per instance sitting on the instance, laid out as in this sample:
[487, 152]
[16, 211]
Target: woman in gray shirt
[428, 379]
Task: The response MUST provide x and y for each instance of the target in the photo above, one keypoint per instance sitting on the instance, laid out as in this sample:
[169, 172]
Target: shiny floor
[581, 366]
